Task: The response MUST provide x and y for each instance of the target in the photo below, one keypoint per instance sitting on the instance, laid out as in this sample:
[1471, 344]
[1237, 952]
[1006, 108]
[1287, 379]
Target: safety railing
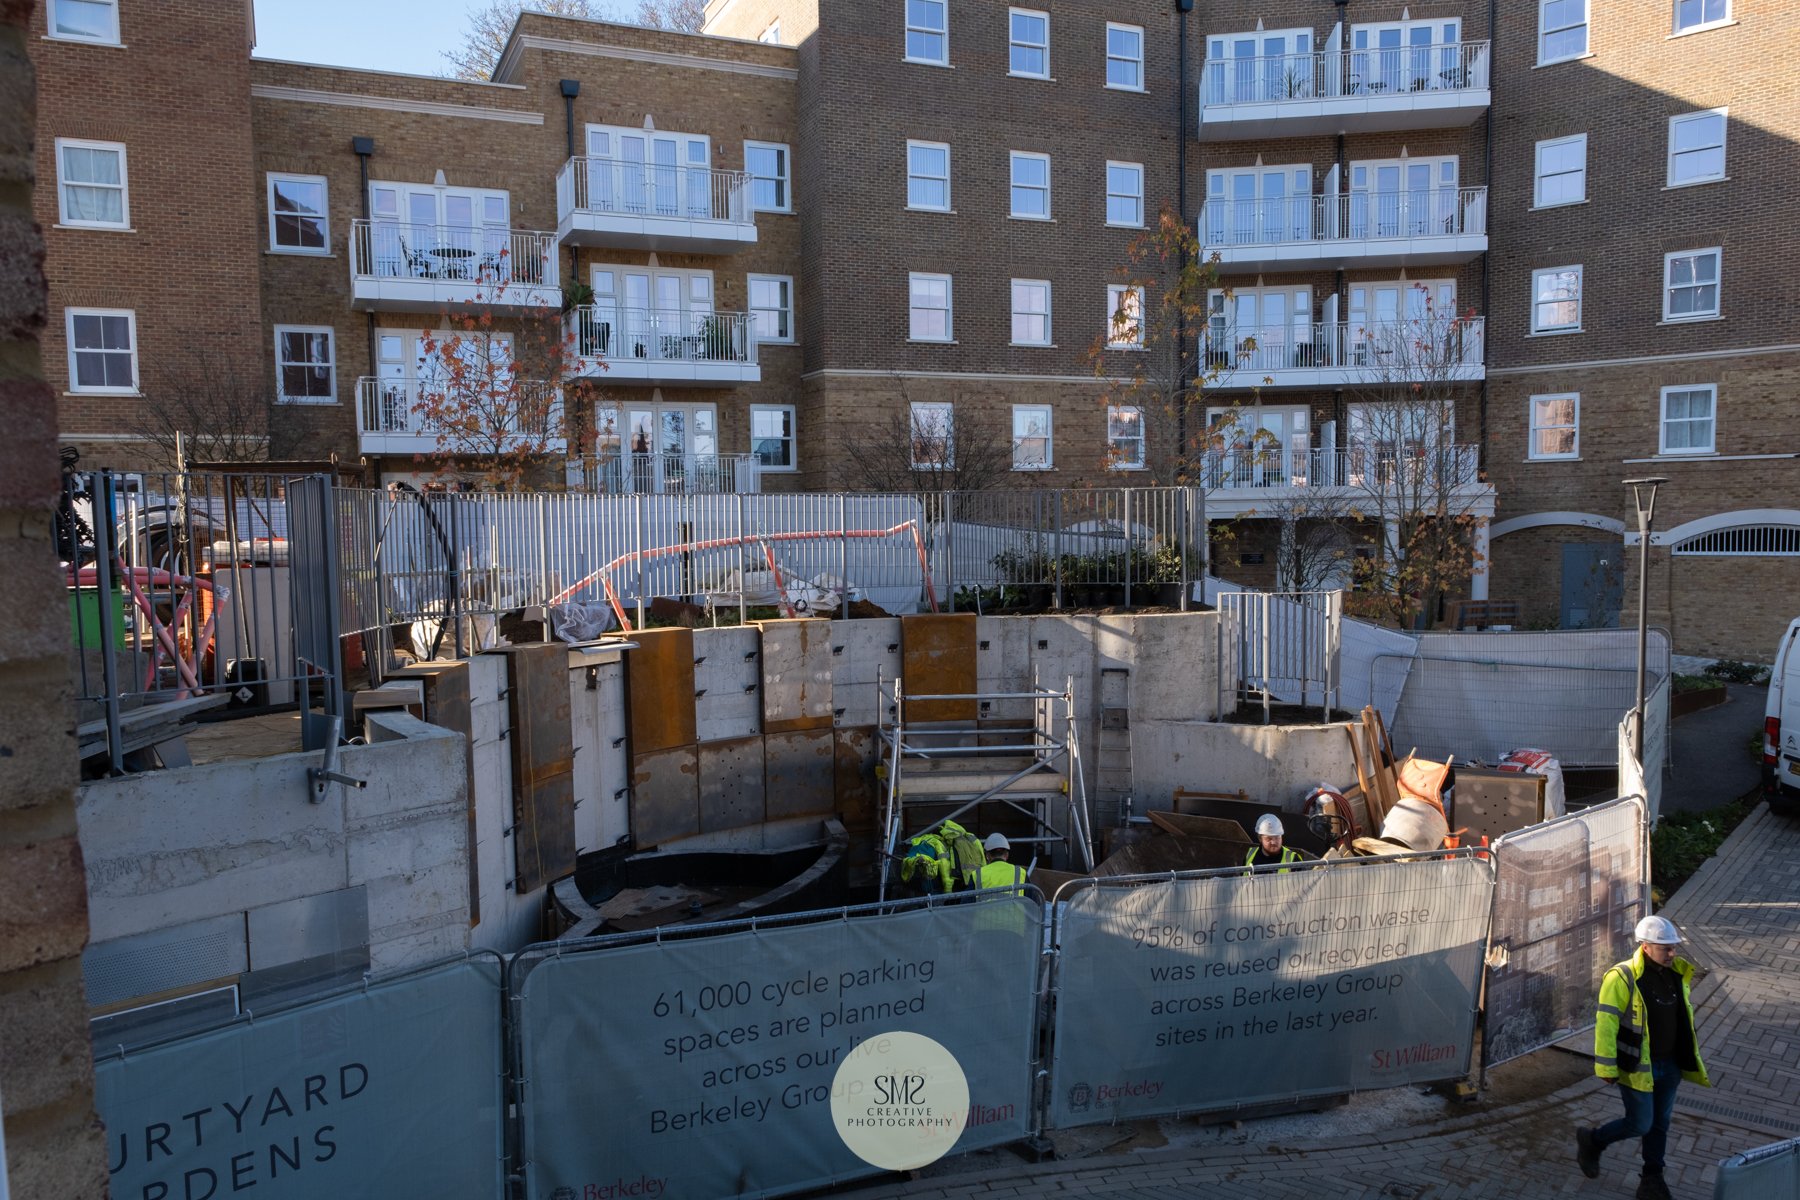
[488, 255]
[643, 189]
[1280, 644]
[1331, 74]
[506, 408]
[1354, 466]
[1352, 216]
[1398, 351]
[666, 334]
[630, 472]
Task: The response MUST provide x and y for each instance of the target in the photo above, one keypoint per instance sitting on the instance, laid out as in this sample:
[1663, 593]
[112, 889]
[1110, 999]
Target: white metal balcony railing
[664, 474]
[527, 409]
[641, 189]
[1332, 74]
[492, 257]
[1416, 351]
[1351, 216]
[663, 335]
[1370, 465]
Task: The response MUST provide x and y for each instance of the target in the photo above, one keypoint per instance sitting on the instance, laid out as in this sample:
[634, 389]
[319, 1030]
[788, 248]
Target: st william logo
[899, 1101]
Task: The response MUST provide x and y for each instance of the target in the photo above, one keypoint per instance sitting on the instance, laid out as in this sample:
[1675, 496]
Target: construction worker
[1644, 1037]
[941, 859]
[1000, 871]
[1268, 850]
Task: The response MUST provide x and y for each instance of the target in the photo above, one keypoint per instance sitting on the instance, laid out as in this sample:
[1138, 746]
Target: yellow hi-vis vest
[1622, 1006]
[1001, 874]
[1288, 855]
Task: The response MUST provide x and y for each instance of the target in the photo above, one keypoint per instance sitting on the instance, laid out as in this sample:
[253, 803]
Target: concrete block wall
[52, 1140]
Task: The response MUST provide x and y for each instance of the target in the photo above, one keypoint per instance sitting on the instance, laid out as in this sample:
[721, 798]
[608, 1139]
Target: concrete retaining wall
[1276, 765]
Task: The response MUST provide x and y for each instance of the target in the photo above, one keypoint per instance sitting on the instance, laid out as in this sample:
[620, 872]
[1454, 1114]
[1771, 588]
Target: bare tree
[219, 408]
[930, 447]
[491, 25]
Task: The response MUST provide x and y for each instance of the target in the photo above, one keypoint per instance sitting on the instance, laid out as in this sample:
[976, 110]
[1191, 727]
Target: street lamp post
[1646, 517]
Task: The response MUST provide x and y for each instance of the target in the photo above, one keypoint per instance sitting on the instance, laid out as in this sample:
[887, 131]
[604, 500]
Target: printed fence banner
[1767, 1173]
[1188, 995]
[1567, 896]
[707, 1067]
[392, 1091]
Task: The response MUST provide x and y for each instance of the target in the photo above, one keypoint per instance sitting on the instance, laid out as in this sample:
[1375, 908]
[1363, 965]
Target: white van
[1781, 726]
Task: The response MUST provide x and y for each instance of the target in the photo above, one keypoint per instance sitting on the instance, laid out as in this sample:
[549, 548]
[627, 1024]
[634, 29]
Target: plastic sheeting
[703, 1067]
[1221, 991]
[392, 1090]
[1568, 894]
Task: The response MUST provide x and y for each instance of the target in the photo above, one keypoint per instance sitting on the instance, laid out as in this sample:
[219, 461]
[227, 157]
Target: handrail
[490, 254]
[1399, 349]
[1372, 463]
[1334, 74]
[679, 335]
[635, 188]
[402, 406]
[1423, 212]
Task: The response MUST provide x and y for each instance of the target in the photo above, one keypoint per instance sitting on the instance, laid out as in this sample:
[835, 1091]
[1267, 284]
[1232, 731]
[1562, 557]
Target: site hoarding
[1224, 991]
[389, 1090]
[705, 1066]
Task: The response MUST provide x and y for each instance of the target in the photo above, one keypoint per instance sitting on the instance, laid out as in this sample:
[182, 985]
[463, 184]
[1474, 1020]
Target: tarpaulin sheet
[703, 1067]
[392, 1091]
[1769, 1173]
[1196, 994]
[1567, 896]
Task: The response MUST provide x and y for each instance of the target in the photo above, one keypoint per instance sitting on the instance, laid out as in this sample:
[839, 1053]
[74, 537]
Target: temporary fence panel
[317, 598]
[1633, 777]
[1225, 990]
[1479, 695]
[1766, 1173]
[1567, 896]
[389, 1090]
[1287, 645]
[703, 1066]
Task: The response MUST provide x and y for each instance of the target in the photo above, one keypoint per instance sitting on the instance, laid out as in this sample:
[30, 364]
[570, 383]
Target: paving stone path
[1740, 911]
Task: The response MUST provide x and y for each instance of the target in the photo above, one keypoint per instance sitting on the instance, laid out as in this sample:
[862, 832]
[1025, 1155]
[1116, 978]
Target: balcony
[673, 474]
[399, 267]
[1440, 227]
[645, 206]
[1441, 86]
[1345, 353]
[664, 347]
[1255, 481]
[395, 416]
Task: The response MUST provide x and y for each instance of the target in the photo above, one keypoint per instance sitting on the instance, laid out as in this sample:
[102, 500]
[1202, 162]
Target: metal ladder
[956, 765]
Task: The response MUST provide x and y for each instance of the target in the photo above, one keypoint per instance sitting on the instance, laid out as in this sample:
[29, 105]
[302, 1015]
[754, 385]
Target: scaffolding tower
[938, 771]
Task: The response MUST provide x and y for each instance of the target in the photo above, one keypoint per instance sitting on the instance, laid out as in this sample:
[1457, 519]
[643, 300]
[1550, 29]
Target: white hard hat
[1269, 825]
[1658, 931]
[997, 841]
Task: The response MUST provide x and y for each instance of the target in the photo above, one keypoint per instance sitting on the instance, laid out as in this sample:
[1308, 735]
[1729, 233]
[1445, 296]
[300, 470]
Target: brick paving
[1740, 911]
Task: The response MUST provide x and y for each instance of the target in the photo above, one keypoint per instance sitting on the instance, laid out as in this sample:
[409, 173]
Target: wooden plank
[1189, 825]
[448, 706]
[543, 762]
[659, 684]
[937, 658]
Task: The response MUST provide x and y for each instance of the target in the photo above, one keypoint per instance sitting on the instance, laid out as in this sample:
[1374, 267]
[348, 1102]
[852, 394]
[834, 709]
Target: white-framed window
[1030, 186]
[772, 436]
[1697, 147]
[1124, 317]
[1125, 57]
[1688, 419]
[933, 434]
[299, 222]
[102, 350]
[1555, 426]
[772, 306]
[1031, 312]
[92, 188]
[1125, 437]
[1028, 43]
[928, 307]
[1561, 171]
[767, 163]
[1691, 284]
[1031, 437]
[1562, 30]
[771, 35]
[84, 20]
[305, 367]
[928, 32]
[928, 176]
[1125, 194]
[1692, 15]
[1556, 300]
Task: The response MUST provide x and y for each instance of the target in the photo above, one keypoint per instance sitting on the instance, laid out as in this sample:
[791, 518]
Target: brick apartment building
[825, 222]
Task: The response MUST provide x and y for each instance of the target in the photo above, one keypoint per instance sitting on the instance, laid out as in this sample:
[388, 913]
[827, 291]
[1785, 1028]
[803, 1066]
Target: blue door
[1593, 585]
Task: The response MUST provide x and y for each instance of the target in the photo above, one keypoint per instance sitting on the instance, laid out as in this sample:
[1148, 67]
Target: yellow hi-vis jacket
[1288, 855]
[1001, 874]
[927, 858]
[1622, 1006]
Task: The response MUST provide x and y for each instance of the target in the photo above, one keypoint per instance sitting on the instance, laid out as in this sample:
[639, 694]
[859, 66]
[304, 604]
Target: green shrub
[1732, 671]
[1697, 683]
[1682, 841]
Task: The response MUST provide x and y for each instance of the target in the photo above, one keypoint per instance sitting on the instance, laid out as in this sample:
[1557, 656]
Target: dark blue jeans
[1646, 1115]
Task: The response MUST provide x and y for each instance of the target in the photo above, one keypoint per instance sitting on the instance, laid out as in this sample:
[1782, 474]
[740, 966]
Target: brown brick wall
[54, 1144]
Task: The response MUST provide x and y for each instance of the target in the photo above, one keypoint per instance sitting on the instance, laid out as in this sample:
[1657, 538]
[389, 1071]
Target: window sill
[1132, 347]
[1033, 220]
[79, 41]
[1137, 467]
[1553, 207]
[1117, 225]
[927, 62]
[1553, 458]
[133, 394]
[933, 341]
[1706, 28]
[1034, 345]
[1034, 470]
[1696, 456]
[948, 212]
[1557, 62]
[298, 403]
[1555, 332]
[762, 470]
[95, 228]
[1691, 320]
[301, 253]
[1038, 78]
[1692, 183]
[1119, 87]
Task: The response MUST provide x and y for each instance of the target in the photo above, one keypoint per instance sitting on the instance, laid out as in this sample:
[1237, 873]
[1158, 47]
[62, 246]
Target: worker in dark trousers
[1268, 850]
[1644, 1038]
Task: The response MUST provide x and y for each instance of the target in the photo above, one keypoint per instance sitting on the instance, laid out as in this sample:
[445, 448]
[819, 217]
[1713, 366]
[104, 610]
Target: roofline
[451, 79]
[507, 63]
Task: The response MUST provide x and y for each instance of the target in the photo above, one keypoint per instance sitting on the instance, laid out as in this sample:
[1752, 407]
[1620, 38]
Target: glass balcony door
[1388, 321]
[1262, 447]
[649, 173]
[1413, 197]
[1258, 205]
[1247, 68]
[1260, 329]
[1404, 56]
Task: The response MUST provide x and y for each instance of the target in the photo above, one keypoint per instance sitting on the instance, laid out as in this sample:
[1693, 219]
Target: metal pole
[1130, 544]
[1181, 534]
[844, 555]
[950, 545]
[638, 539]
[1646, 519]
[1056, 565]
[743, 606]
